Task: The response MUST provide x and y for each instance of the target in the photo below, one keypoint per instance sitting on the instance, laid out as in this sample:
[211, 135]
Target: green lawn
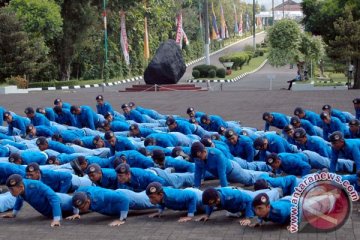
[254, 63]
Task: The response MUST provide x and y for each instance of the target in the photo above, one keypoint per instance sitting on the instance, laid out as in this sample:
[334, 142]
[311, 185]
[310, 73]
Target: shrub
[196, 73]
[249, 48]
[250, 56]
[212, 73]
[239, 59]
[204, 69]
[20, 82]
[221, 72]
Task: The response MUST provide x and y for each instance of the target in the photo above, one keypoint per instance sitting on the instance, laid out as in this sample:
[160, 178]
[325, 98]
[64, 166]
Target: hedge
[239, 59]
[196, 73]
[220, 73]
[204, 69]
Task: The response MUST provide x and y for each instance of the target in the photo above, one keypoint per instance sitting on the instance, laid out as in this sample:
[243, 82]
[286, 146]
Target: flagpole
[207, 45]
[254, 44]
[105, 41]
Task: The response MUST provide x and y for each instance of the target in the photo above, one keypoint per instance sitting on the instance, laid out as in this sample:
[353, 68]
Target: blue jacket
[178, 199]
[105, 108]
[50, 114]
[87, 118]
[313, 117]
[135, 159]
[334, 125]
[164, 139]
[354, 135]
[102, 162]
[144, 132]
[140, 179]
[150, 112]
[45, 131]
[351, 150]
[60, 147]
[108, 179]
[135, 116]
[216, 163]
[184, 127]
[41, 197]
[339, 114]
[287, 183]
[121, 144]
[233, 200]
[66, 118]
[167, 151]
[107, 202]
[88, 142]
[56, 180]
[7, 169]
[31, 155]
[353, 180]
[66, 105]
[18, 122]
[279, 212]
[39, 119]
[308, 126]
[180, 166]
[276, 144]
[215, 123]
[119, 126]
[294, 164]
[357, 113]
[2, 110]
[279, 121]
[243, 148]
[318, 145]
[72, 134]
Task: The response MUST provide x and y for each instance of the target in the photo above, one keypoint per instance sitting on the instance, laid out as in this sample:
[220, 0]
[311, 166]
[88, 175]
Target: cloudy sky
[267, 3]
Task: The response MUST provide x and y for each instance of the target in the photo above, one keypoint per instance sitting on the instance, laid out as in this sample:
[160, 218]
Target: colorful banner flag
[222, 22]
[123, 38]
[105, 31]
[241, 25]
[247, 22]
[259, 22]
[146, 41]
[214, 31]
[179, 31]
[236, 26]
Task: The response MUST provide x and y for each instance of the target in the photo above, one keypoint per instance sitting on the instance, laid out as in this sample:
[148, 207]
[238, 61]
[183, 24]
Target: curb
[235, 79]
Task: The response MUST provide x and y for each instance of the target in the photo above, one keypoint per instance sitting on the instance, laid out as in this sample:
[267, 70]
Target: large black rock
[167, 66]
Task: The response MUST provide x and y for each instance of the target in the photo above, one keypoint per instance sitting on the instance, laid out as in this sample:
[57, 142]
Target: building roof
[289, 5]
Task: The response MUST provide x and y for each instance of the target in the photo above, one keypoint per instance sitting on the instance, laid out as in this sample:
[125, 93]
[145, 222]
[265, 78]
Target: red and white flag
[123, 38]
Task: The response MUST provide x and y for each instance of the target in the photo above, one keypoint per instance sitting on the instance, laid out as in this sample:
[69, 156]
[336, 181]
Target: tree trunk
[356, 74]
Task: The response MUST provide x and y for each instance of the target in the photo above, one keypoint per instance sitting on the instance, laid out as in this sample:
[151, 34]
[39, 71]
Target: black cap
[229, 133]
[354, 122]
[170, 120]
[326, 107]
[73, 109]
[261, 199]
[41, 141]
[266, 116]
[108, 135]
[131, 104]
[221, 130]
[192, 120]
[29, 110]
[6, 114]
[154, 187]
[78, 142]
[176, 151]
[81, 159]
[14, 180]
[125, 105]
[144, 151]
[149, 141]
[79, 199]
[336, 136]
[57, 101]
[119, 160]
[299, 133]
[104, 124]
[189, 110]
[99, 97]
[196, 147]
[209, 196]
[271, 158]
[56, 137]
[93, 168]
[123, 168]
[133, 127]
[206, 141]
[324, 115]
[57, 109]
[14, 157]
[356, 101]
[215, 136]
[261, 184]
[298, 111]
[288, 128]
[29, 128]
[158, 154]
[107, 114]
[32, 167]
[51, 160]
[96, 139]
[40, 110]
[259, 143]
[295, 120]
[204, 118]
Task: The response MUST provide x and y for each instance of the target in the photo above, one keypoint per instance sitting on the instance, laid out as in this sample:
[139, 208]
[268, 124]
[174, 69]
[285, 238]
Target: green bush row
[211, 71]
[238, 58]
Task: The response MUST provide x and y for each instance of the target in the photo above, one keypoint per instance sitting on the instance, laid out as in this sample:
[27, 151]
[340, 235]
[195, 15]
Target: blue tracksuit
[354, 134]
[339, 114]
[294, 164]
[215, 123]
[184, 127]
[233, 200]
[179, 165]
[135, 159]
[167, 151]
[313, 117]
[223, 148]
[30, 156]
[144, 132]
[87, 118]
[107, 202]
[66, 105]
[287, 183]
[45, 131]
[119, 126]
[318, 145]
[334, 125]
[353, 180]
[39, 119]
[70, 135]
[279, 121]
[2, 110]
[66, 118]
[7, 169]
[56, 180]
[140, 179]
[135, 116]
[50, 114]
[216, 163]
[276, 144]
[105, 108]
[357, 113]
[88, 142]
[121, 144]
[18, 122]
[279, 212]
[243, 148]
[351, 151]
[41, 197]
[108, 179]
[308, 126]
[177, 199]
[60, 147]
[164, 139]
[150, 112]
[102, 162]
